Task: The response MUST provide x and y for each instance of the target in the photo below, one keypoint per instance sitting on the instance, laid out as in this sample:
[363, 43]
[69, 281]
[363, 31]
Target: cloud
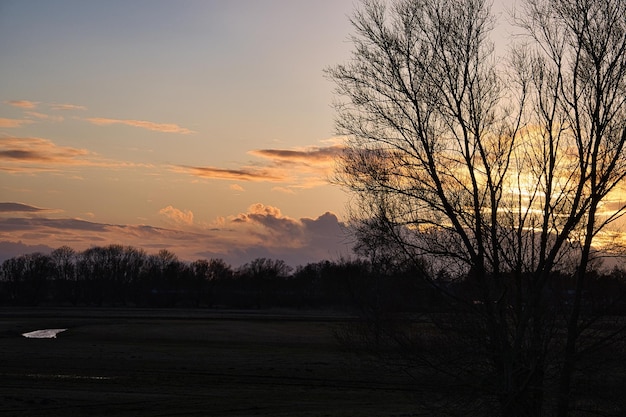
[11, 123]
[250, 174]
[257, 212]
[311, 155]
[23, 104]
[297, 168]
[37, 153]
[177, 216]
[267, 227]
[29, 105]
[18, 208]
[10, 249]
[274, 226]
[65, 107]
[236, 187]
[284, 190]
[43, 116]
[267, 232]
[29, 154]
[80, 234]
[157, 127]
[614, 203]
[31, 224]
[262, 230]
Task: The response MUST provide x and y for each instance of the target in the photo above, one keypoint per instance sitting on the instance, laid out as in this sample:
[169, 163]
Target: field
[188, 363]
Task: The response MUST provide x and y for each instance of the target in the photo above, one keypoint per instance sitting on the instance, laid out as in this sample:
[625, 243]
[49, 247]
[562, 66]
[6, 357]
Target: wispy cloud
[19, 208]
[30, 105]
[23, 104]
[32, 116]
[37, 150]
[299, 168]
[250, 174]
[66, 107]
[43, 116]
[285, 190]
[34, 224]
[11, 123]
[30, 155]
[314, 155]
[157, 127]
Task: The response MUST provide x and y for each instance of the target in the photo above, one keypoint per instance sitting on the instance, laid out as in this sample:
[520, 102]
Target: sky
[201, 127]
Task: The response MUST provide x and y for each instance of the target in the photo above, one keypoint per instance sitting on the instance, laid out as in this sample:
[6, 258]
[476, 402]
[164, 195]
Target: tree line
[117, 275]
[126, 276]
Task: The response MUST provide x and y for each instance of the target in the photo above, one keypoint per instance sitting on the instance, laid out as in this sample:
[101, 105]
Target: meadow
[151, 362]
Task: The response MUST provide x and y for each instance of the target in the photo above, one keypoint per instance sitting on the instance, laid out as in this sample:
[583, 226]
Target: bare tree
[505, 176]
[206, 272]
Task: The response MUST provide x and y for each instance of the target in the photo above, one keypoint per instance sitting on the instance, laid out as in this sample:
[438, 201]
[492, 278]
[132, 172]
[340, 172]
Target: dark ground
[188, 363]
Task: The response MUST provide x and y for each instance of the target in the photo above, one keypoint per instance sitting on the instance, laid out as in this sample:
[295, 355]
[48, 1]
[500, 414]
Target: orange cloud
[29, 105]
[272, 222]
[236, 187]
[311, 155]
[262, 209]
[19, 208]
[263, 231]
[10, 123]
[299, 168]
[157, 127]
[285, 190]
[28, 154]
[43, 116]
[243, 174]
[67, 107]
[177, 216]
[37, 150]
[23, 104]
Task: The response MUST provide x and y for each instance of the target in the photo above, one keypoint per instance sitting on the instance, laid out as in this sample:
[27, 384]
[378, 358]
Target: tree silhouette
[263, 276]
[64, 264]
[28, 277]
[206, 273]
[504, 177]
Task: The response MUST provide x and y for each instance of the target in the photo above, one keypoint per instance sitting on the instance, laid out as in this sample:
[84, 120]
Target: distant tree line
[117, 275]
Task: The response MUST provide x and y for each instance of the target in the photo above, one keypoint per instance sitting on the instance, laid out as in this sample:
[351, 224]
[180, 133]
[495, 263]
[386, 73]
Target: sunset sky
[204, 127]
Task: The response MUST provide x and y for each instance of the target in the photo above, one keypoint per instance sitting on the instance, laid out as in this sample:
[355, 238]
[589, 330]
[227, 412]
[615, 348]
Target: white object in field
[43, 334]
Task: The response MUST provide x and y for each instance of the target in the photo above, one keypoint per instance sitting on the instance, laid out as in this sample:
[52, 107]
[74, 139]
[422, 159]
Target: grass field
[188, 363]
